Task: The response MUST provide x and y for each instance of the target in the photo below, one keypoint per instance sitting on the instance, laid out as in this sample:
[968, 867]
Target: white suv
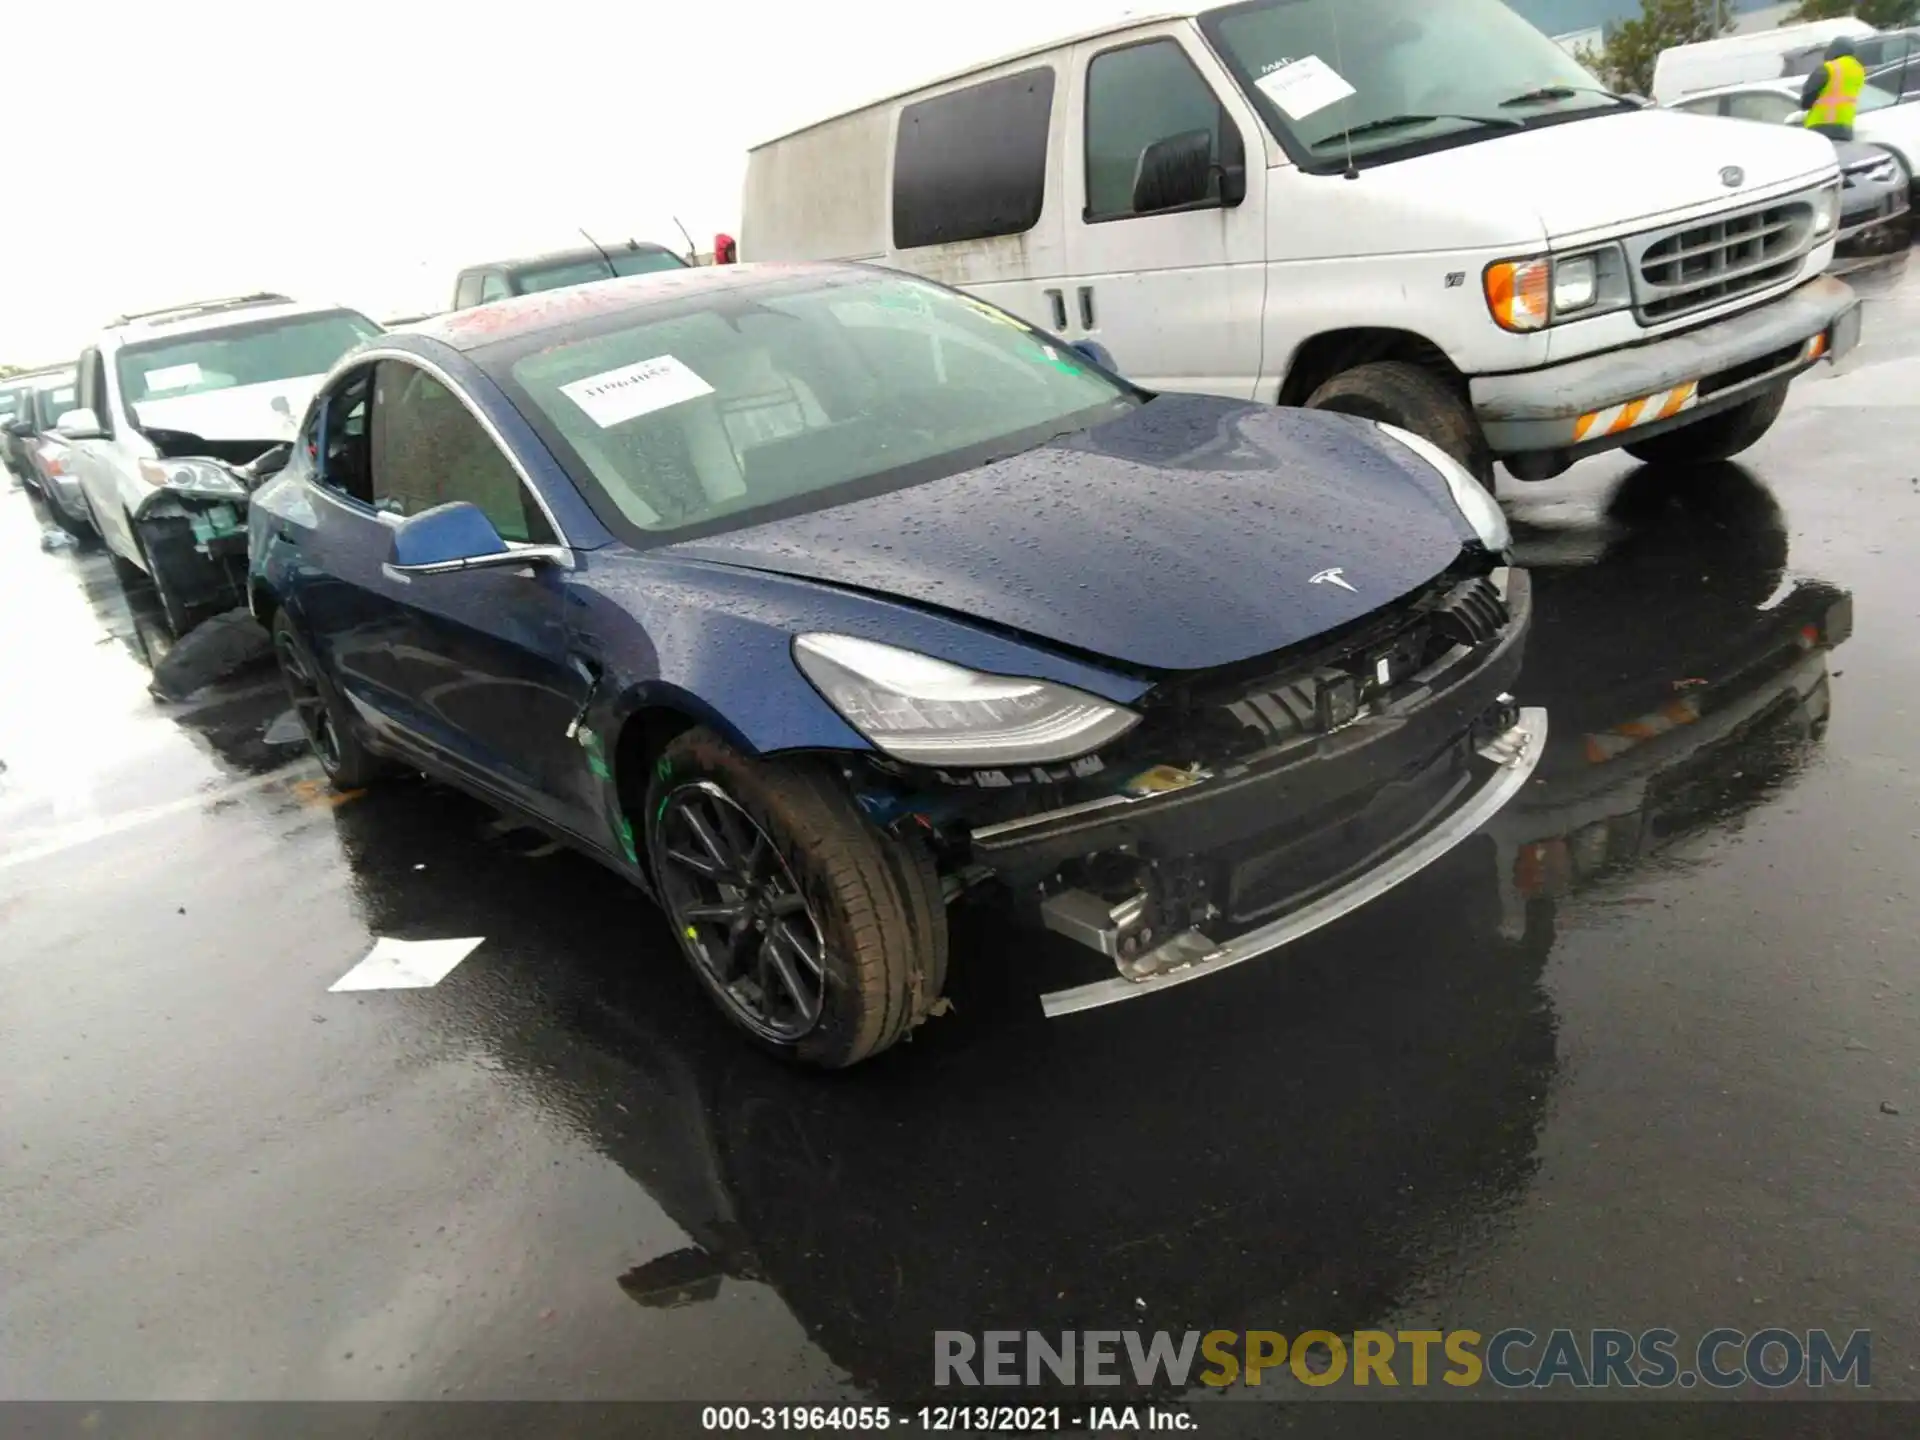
[167, 403]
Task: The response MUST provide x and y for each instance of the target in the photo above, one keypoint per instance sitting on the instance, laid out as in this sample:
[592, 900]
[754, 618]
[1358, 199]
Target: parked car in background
[12, 456]
[1426, 215]
[499, 279]
[169, 403]
[805, 596]
[42, 403]
[1757, 56]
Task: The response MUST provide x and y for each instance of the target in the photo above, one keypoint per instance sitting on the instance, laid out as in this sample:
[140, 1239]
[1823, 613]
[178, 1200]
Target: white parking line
[406, 964]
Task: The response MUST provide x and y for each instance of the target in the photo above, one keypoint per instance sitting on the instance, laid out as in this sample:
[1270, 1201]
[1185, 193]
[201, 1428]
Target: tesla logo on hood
[1333, 577]
[1733, 177]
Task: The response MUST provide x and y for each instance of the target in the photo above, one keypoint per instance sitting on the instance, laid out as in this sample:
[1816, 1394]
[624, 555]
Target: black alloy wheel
[309, 704]
[740, 913]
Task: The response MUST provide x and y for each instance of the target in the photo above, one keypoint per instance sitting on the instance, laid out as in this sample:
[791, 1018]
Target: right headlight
[926, 711]
[1474, 501]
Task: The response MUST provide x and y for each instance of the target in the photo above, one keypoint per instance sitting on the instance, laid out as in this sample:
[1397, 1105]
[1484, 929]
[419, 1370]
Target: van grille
[1678, 272]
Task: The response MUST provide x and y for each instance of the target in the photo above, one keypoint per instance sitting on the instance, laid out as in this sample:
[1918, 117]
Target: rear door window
[972, 164]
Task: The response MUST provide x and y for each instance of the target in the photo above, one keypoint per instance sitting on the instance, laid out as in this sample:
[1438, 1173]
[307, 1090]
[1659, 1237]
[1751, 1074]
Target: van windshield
[1386, 76]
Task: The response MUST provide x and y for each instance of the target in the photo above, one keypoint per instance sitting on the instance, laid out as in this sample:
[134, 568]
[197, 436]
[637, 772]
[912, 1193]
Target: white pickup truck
[1429, 215]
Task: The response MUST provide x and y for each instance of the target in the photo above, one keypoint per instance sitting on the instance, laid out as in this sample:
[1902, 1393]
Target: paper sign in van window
[172, 377]
[1305, 87]
[617, 396]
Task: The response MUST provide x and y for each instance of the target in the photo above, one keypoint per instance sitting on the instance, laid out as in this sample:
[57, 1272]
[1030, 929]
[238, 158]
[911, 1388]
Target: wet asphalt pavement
[1643, 1056]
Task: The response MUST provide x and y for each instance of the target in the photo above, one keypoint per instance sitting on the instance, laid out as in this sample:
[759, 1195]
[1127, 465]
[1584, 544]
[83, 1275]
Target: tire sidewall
[840, 1035]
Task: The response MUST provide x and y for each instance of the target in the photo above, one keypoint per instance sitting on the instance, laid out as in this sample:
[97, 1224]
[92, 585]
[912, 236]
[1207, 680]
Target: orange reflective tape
[1629, 417]
[1676, 402]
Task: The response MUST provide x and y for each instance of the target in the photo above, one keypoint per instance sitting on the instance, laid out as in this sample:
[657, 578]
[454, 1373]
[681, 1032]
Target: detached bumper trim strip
[1458, 828]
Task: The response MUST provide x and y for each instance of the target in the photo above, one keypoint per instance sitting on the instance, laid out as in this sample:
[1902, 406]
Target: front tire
[1718, 437]
[819, 935]
[1396, 393]
[322, 714]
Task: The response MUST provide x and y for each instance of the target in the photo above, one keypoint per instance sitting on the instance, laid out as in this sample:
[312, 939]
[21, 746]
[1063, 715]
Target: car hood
[270, 410]
[1185, 535]
[1615, 172]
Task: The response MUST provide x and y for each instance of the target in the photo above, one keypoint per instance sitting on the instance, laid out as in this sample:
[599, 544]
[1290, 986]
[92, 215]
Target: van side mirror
[1178, 171]
[81, 424]
[20, 429]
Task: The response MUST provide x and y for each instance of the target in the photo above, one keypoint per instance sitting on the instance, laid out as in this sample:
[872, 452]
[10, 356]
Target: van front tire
[1718, 437]
[1396, 393]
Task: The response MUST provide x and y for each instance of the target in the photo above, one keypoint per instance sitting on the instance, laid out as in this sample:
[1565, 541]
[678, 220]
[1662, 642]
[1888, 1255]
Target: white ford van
[1426, 214]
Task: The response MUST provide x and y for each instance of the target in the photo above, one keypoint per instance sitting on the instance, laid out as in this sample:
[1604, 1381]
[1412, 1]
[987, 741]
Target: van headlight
[1474, 501]
[1542, 290]
[928, 712]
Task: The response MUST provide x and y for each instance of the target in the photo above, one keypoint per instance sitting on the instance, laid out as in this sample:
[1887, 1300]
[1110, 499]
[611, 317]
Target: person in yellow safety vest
[1831, 96]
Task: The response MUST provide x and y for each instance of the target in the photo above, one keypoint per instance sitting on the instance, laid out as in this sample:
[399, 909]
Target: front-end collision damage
[198, 546]
[1253, 804]
[192, 525]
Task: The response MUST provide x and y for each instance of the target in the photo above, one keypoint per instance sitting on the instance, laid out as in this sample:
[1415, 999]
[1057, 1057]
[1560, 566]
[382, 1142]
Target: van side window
[1144, 97]
[972, 163]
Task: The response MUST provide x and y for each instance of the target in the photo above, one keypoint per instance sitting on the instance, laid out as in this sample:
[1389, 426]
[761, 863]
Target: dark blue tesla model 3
[811, 598]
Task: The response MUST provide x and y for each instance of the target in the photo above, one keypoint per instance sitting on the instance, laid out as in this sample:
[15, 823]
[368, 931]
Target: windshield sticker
[617, 396]
[172, 377]
[1305, 87]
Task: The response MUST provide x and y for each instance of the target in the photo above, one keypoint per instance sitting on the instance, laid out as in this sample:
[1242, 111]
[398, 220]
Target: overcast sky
[363, 150]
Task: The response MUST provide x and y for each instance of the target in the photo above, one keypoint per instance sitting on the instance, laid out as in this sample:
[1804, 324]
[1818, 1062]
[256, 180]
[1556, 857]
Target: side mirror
[458, 536]
[1098, 354]
[20, 429]
[80, 424]
[1179, 171]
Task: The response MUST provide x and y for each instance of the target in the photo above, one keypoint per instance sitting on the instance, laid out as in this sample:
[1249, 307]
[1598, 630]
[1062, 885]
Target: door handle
[1058, 300]
[1086, 307]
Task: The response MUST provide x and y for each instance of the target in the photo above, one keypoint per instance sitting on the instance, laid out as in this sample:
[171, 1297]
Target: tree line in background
[1626, 59]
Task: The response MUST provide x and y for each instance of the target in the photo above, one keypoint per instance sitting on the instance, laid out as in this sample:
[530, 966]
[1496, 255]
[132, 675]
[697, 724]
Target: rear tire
[1397, 393]
[796, 871]
[1718, 437]
[323, 715]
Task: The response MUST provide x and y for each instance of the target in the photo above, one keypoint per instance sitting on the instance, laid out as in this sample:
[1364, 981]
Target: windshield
[585, 272]
[1333, 72]
[767, 396]
[265, 356]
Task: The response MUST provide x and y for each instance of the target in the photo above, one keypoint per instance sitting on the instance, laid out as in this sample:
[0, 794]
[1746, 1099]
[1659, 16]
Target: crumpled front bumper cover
[1192, 956]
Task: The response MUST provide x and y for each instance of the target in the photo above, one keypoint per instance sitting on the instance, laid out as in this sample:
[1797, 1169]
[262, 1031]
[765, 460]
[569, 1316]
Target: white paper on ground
[1305, 86]
[616, 396]
[406, 964]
